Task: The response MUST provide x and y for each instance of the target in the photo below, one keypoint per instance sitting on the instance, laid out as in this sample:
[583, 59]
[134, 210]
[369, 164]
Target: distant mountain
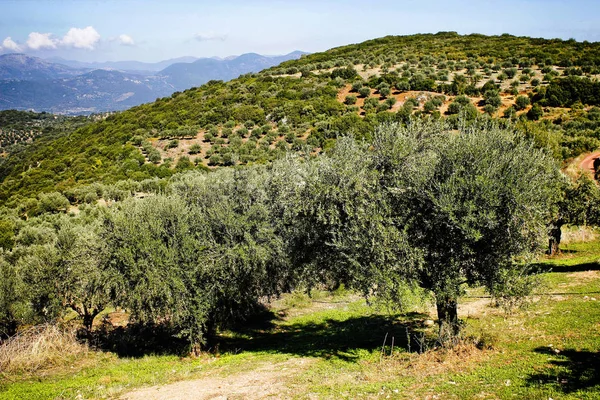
[185, 75]
[30, 83]
[124, 65]
[22, 67]
[96, 91]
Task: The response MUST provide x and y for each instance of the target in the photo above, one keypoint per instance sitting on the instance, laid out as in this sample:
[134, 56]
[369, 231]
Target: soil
[268, 381]
[587, 164]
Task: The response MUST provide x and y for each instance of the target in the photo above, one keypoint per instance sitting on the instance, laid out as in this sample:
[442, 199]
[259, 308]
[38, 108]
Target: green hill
[305, 104]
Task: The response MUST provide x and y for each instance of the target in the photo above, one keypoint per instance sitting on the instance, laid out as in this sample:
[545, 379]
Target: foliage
[473, 202]
[567, 91]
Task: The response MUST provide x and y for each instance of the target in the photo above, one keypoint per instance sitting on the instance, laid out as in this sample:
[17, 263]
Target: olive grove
[418, 207]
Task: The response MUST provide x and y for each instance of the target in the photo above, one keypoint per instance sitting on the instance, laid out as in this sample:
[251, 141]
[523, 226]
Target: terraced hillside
[546, 86]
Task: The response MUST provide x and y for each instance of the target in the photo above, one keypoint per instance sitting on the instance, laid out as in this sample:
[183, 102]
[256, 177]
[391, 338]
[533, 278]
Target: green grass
[550, 349]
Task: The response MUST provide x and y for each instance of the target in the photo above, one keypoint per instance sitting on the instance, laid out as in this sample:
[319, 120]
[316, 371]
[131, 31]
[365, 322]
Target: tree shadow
[568, 251]
[334, 338]
[137, 340]
[263, 331]
[555, 267]
[572, 370]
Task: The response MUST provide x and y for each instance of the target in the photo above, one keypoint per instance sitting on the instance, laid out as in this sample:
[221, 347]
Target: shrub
[173, 144]
[356, 86]
[195, 149]
[521, 102]
[52, 202]
[535, 112]
[365, 91]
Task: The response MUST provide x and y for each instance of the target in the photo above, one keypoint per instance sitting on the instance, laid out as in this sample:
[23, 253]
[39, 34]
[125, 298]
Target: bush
[344, 73]
[356, 86]
[429, 106]
[521, 102]
[535, 112]
[173, 144]
[365, 91]
[52, 202]
[40, 348]
[195, 149]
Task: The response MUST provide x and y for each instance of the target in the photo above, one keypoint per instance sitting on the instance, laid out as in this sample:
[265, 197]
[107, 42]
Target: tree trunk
[447, 310]
[555, 237]
[88, 320]
[88, 317]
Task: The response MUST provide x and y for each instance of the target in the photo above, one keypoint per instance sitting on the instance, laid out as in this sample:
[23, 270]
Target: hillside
[307, 103]
[19, 127]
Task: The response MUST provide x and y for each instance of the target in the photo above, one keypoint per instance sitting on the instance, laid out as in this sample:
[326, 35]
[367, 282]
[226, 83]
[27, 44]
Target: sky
[155, 30]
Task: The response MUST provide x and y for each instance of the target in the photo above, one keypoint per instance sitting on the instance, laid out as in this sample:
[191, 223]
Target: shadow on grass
[557, 267]
[138, 340]
[332, 338]
[329, 338]
[572, 370]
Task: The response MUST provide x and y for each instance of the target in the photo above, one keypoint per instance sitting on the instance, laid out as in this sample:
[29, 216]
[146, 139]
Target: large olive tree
[475, 202]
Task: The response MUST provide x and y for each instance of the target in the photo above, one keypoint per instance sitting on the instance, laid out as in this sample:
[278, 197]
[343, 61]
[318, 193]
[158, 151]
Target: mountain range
[71, 87]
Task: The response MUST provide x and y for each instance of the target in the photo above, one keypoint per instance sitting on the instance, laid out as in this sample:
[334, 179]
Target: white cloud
[85, 38]
[207, 36]
[10, 44]
[126, 40]
[39, 41]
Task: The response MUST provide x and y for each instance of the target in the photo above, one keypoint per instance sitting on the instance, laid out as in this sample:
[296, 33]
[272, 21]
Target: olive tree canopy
[474, 202]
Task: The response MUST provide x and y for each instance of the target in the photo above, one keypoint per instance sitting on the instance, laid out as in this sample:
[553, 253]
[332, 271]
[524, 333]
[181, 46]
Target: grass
[550, 349]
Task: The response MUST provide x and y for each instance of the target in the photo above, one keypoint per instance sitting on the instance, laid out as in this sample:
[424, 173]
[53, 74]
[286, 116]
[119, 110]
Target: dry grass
[38, 348]
[579, 234]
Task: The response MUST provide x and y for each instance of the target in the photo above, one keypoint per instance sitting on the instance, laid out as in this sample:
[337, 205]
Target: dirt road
[267, 381]
[588, 162]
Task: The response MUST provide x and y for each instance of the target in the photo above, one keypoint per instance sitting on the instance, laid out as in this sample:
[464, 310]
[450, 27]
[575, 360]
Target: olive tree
[198, 259]
[579, 205]
[473, 202]
[341, 230]
[80, 281]
[13, 299]
[151, 262]
[59, 260]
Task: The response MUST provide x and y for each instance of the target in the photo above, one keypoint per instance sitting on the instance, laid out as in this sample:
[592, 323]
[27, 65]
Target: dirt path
[267, 381]
[588, 162]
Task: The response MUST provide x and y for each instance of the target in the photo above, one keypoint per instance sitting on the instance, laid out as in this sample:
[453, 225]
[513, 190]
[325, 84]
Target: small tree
[53, 202]
[535, 112]
[521, 102]
[79, 278]
[364, 91]
[356, 86]
[350, 100]
[195, 149]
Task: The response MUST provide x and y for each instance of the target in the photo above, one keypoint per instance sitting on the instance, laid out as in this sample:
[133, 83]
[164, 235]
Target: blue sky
[152, 30]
